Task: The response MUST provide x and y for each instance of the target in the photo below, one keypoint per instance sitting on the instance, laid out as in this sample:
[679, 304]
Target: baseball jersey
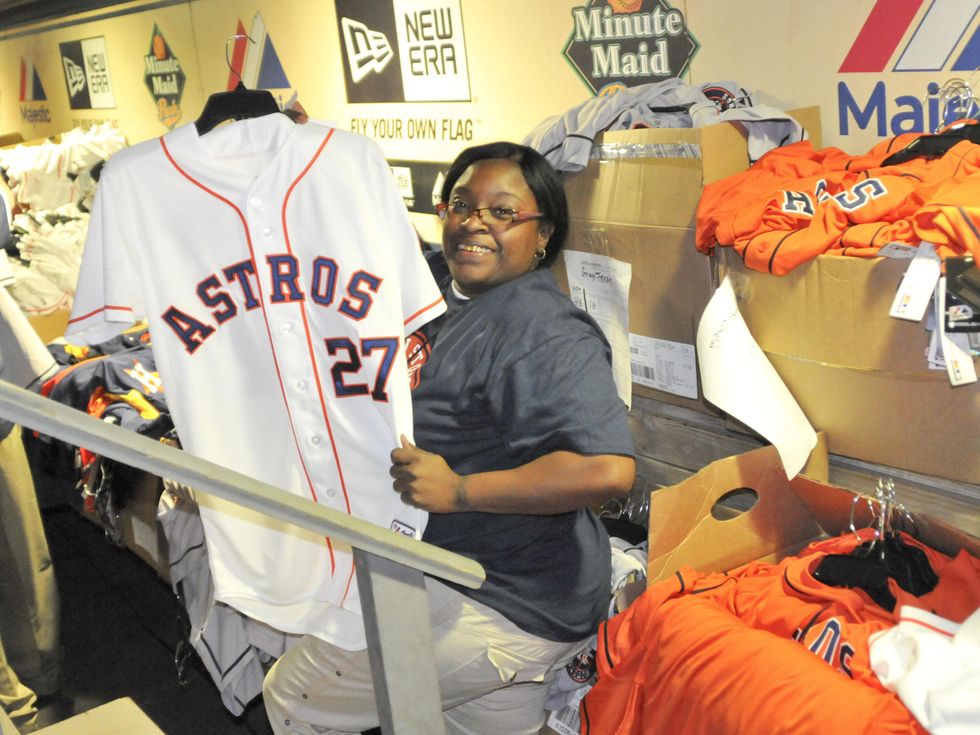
[765, 643]
[777, 217]
[934, 666]
[279, 274]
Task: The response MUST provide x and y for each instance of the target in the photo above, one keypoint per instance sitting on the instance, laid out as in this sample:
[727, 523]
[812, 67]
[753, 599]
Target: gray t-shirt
[510, 376]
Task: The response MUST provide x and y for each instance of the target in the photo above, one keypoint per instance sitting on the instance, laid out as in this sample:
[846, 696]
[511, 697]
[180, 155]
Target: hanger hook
[231, 38]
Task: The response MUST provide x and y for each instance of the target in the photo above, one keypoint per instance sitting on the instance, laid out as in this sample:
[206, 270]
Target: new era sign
[403, 50]
[86, 67]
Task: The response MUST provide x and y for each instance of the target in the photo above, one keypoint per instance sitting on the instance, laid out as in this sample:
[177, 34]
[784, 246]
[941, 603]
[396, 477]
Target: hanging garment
[279, 274]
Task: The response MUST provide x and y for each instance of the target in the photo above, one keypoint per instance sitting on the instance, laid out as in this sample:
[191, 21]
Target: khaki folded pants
[494, 678]
[29, 604]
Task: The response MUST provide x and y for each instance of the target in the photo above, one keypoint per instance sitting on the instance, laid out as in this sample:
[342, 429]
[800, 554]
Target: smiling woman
[519, 432]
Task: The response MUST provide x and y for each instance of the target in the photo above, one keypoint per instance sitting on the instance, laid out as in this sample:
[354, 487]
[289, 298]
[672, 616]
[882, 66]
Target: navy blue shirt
[512, 375]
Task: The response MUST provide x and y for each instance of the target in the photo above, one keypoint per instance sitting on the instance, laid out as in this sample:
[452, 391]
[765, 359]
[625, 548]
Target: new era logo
[75, 75]
[367, 51]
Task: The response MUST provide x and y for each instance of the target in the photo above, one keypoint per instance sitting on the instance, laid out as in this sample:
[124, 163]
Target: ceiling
[15, 13]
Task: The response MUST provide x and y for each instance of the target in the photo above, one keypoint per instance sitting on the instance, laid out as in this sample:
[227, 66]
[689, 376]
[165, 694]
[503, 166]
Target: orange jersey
[777, 219]
[765, 644]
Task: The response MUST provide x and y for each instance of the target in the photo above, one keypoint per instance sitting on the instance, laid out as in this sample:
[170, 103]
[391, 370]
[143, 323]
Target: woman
[519, 432]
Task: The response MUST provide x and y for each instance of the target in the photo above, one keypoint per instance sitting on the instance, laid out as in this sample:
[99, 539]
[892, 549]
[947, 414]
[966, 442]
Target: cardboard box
[51, 326]
[660, 185]
[788, 515]
[640, 210]
[856, 372]
[141, 531]
[118, 716]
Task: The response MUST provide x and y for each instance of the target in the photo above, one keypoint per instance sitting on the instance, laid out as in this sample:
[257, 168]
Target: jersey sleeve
[421, 299]
[559, 392]
[107, 296]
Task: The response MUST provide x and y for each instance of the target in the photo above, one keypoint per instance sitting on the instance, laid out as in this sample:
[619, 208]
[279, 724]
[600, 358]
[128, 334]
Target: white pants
[494, 678]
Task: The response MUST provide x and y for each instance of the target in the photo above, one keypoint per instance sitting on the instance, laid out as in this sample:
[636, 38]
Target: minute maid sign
[628, 42]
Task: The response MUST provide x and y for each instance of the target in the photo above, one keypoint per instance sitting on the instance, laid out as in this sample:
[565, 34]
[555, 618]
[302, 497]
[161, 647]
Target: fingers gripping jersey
[279, 274]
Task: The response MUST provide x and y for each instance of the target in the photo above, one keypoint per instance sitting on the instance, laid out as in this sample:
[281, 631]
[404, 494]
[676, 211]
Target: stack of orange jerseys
[763, 649]
[797, 202]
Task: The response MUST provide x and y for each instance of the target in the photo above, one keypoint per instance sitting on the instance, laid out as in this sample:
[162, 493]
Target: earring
[540, 253]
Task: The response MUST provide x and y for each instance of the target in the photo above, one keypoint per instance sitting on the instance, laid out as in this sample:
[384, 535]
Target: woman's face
[481, 255]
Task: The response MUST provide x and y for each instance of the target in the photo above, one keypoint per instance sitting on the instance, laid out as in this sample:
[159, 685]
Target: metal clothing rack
[390, 567]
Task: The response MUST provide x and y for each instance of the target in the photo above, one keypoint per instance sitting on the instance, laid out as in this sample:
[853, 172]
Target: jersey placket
[292, 351]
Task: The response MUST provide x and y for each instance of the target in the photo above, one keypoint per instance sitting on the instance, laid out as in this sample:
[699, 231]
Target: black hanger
[934, 146]
[873, 563]
[238, 104]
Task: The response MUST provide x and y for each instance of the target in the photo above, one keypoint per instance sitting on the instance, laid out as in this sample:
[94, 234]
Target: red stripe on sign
[237, 56]
[880, 35]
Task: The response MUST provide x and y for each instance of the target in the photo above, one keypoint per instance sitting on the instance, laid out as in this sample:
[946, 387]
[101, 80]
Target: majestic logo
[623, 43]
[164, 78]
[367, 51]
[898, 36]
[86, 66]
[425, 37]
[937, 38]
[255, 63]
[31, 89]
[31, 94]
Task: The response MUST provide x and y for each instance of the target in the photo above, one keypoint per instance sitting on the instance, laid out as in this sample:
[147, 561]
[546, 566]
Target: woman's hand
[426, 481]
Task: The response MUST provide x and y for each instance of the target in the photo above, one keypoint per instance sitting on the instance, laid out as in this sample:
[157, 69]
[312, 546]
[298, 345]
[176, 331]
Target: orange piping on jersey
[312, 352]
[268, 329]
[423, 310]
[923, 624]
[100, 309]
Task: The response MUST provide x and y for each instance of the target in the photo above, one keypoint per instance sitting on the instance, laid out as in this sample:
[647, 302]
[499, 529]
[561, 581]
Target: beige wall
[518, 75]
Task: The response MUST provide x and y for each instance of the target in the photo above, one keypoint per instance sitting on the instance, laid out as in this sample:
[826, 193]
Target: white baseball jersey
[279, 273]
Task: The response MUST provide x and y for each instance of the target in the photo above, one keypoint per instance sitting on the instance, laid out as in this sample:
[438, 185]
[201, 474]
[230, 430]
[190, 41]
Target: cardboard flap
[684, 531]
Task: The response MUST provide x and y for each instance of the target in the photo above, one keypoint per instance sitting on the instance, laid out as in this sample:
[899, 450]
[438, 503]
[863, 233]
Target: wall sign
[86, 67]
[164, 78]
[403, 50]
[896, 37]
[32, 96]
[624, 43]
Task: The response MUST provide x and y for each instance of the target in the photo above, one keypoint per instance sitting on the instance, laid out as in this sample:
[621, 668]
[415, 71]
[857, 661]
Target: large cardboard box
[638, 206]
[692, 523]
[858, 373]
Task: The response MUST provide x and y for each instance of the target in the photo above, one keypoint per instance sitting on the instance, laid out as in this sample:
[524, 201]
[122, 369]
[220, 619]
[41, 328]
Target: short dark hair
[541, 177]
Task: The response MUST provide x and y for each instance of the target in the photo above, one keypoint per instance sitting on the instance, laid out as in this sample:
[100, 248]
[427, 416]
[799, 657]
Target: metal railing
[390, 567]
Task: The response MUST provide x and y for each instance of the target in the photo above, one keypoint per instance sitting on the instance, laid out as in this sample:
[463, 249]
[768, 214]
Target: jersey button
[267, 231]
[301, 384]
[286, 328]
[255, 201]
[331, 492]
[315, 440]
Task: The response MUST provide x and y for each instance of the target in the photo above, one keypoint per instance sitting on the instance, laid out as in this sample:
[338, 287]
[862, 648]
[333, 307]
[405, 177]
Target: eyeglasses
[461, 210]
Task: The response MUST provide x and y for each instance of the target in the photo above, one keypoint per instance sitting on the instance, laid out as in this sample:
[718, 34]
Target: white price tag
[955, 346]
[912, 297]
